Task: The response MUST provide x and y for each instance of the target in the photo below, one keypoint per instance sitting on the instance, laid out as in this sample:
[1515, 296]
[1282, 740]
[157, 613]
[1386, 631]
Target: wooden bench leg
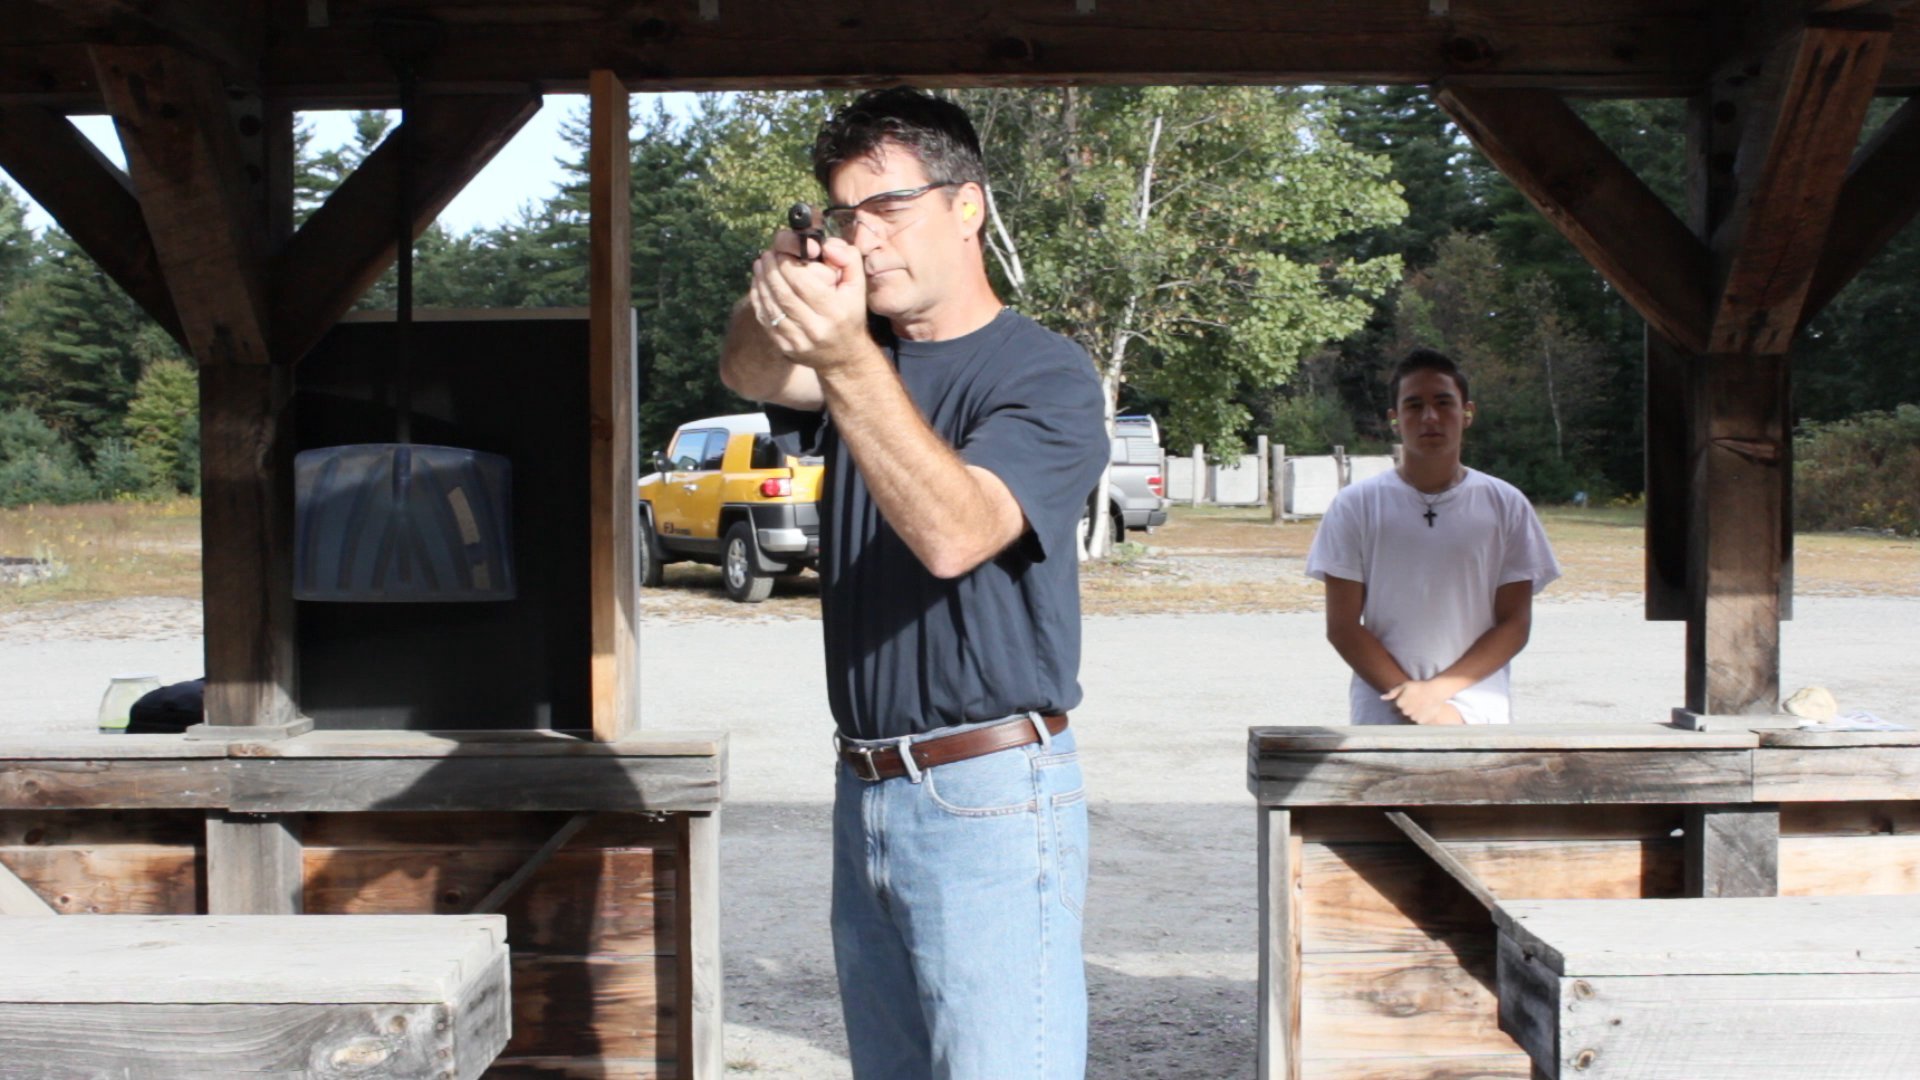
[703, 1041]
[1279, 1024]
[253, 864]
[1733, 850]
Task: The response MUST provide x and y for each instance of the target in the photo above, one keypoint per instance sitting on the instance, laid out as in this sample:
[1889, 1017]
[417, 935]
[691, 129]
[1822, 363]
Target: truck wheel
[649, 569]
[1117, 526]
[744, 582]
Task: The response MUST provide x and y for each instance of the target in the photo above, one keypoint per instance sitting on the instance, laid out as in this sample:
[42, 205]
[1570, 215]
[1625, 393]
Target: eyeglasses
[884, 214]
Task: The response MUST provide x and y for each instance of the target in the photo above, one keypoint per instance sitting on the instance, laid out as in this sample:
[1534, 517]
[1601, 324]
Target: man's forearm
[921, 485]
[1492, 651]
[751, 366]
[1367, 657]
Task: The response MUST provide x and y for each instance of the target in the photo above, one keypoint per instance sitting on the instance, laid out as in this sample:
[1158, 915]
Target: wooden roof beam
[348, 242]
[227, 34]
[1803, 119]
[1878, 199]
[91, 199]
[186, 162]
[1636, 241]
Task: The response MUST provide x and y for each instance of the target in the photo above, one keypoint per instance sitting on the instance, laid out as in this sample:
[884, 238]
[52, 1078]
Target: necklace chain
[1440, 496]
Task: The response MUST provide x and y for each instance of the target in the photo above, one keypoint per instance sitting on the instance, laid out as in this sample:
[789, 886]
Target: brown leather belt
[883, 762]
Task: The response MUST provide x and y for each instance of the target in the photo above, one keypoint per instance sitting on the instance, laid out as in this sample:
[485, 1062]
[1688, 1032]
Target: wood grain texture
[285, 785]
[253, 864]
[1749, 1027]
[1845, 774]
[118, 879]
[1733, 850]
[1514, 1066]
[1804, 120]
[1380, 896]
[1891, 820]
[108, 785]
[1609, 214]
[1277, 1038]
[1738, 552]
[439, 744]
[1660, 736]
[1542, 824]
[1377, 778]
[1444, 859]
[1358, 1005]
[1849, 865]
[1777, 935]
[1530, 1004]
[700, 991]
[613, 447]
[593, 1006]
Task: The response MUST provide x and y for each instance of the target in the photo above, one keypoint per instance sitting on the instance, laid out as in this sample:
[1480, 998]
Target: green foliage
[37, 466]
[119, 470]
[165, 407]
[1860, 472]
[1309, 424]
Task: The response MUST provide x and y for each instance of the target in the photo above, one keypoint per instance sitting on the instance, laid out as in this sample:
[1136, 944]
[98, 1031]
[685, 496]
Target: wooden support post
[253, 864]
[702, 1030]
[1733, 850]
[1277, 481]
[1278, 1052]
[613, 466]
[1739, 408]
[1198, 465]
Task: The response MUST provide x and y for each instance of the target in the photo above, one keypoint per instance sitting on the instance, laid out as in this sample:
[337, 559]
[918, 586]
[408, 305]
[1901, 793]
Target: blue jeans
[956, 917]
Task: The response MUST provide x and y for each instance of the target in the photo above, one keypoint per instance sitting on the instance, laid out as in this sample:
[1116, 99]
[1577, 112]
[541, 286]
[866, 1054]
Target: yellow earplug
[967, 210]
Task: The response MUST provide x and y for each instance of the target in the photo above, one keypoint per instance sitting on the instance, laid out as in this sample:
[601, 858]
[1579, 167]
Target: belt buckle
[863, 763]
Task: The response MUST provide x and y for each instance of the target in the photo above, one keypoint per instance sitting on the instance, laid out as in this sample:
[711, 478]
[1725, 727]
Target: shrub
[37, 466]
[1861, 472]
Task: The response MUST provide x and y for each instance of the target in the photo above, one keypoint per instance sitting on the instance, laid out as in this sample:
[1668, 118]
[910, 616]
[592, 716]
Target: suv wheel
[744, 581]
[649, 569]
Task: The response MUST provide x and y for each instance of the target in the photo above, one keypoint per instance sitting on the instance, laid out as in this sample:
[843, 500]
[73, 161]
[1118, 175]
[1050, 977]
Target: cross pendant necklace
[1429, 515]
[1439, 497]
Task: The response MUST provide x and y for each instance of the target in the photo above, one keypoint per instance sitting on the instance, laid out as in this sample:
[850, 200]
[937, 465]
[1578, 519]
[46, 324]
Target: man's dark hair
[936, 130]
[1427, 360]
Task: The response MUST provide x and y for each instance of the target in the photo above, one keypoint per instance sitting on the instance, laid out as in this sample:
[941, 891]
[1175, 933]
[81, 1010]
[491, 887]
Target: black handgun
[800, 220]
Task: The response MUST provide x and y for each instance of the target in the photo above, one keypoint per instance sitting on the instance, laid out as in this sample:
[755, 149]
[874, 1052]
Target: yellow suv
[723, 493]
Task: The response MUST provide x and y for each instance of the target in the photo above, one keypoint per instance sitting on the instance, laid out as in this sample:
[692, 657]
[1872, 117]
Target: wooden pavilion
[1786, 203]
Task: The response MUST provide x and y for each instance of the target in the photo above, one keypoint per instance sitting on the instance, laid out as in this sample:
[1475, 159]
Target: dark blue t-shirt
[908, 652]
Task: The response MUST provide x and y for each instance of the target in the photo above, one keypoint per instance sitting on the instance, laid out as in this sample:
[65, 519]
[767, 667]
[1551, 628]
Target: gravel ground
[1171, 932]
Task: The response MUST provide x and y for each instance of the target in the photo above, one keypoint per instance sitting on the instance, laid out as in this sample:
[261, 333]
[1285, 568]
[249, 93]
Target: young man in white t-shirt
[1431, 568]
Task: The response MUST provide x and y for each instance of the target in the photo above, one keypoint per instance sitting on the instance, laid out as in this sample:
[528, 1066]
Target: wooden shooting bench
[602, 859]
[1488, 901]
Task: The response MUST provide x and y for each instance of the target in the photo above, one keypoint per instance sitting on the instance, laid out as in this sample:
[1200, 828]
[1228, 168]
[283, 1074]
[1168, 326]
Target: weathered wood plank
[1733, 850]
[253, 864]
[477, 831]
[440, 744]
[573, 1006]
[349, 241]
[1513, 1066]
[15, 748]
[1804, 119]
[1778, 935]
[1385, 896]
[122, 879]
[505, 891]
[1844, 774]
[191, 1042]
[611, 903]
[1494, 737]
[1803, 738]
[114, 785]
[613, 448]
[1849, 865]
[699, 990]
[525, 1067]
[67, 828]
[1379, 778]
[1548, 824]
[91, 199]
[288, 785]
[245, 959]
[1277, 1047]
[1358, 1005]
[1876, 202]
[1750, 1027]
[1633, 238]
[1529, 1004]
[1891, 820]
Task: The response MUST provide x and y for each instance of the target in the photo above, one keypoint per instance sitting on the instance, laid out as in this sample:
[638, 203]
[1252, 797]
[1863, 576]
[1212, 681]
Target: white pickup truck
[1136, 496]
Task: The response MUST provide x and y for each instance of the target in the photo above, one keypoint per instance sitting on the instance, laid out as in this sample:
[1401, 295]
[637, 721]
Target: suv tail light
[1154, 485]
[774, 487]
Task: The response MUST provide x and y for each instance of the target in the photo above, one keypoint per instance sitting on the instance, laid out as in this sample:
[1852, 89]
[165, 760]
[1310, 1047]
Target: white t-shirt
[1430, 583]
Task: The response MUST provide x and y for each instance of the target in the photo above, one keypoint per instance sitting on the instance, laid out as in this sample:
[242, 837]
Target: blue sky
[527, 170]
